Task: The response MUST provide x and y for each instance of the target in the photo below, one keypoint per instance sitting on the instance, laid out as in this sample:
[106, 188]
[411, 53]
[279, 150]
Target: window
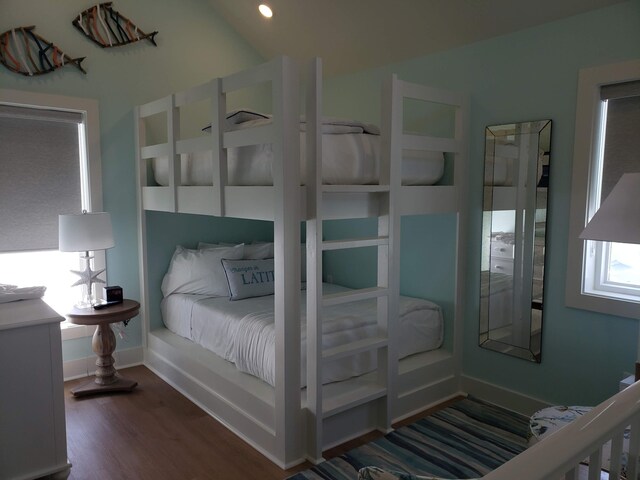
[602, 276]
[50, 161]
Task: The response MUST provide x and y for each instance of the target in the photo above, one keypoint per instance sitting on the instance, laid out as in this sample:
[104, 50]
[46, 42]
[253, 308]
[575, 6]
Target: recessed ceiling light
[265, 10]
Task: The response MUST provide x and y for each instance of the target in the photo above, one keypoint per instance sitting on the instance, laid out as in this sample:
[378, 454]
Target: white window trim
[90, 111]
[586, 143]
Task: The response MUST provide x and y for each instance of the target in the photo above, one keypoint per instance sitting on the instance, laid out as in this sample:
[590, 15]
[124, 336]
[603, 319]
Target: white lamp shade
[85, 232]
[618, 218]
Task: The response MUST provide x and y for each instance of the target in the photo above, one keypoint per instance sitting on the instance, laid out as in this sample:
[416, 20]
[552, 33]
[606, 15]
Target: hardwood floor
[156, 433]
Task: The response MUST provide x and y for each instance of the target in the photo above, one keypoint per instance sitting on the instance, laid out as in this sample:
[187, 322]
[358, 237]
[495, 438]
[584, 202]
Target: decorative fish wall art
[108, 28]
[24, 51]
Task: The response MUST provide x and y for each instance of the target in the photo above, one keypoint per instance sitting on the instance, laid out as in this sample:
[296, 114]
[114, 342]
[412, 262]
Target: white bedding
[243, 332]
[351, 156]
[498, 171]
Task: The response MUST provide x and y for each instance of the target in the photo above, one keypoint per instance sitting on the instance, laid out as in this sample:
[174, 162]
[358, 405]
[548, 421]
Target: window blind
[39, 175]
[622, 139]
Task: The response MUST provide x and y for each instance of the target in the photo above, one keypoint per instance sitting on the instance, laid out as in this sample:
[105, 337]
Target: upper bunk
[230, 168]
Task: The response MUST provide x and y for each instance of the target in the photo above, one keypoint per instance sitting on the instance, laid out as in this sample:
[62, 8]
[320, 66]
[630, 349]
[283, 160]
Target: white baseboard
[85, 367]
[504, 397]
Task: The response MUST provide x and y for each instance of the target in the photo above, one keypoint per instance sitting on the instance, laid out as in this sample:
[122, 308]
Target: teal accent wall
[194, 45]
[167, 230]
[529, 75]
[423, 274]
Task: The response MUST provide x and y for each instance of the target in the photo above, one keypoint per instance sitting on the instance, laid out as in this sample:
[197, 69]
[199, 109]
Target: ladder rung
[353, 348]
[354, 243]
[333, 406]
[355, 188]
[353, 295]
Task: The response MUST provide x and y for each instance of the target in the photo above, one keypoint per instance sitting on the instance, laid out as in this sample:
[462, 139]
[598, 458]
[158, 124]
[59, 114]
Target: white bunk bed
[286, 423]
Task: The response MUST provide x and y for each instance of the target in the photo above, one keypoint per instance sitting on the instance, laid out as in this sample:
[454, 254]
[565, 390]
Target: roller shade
[39, 175]
[622, 139]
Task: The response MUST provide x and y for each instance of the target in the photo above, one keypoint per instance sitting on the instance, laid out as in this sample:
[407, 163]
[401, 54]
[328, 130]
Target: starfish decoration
[88, 276]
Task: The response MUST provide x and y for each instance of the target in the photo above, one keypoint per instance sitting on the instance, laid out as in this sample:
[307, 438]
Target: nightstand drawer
[502, 265]
[504, 250]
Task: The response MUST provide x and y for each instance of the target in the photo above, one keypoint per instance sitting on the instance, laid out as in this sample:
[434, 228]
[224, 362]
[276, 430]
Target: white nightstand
[501, 257]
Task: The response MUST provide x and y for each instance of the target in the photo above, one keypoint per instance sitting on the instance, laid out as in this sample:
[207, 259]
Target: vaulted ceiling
[352, 35]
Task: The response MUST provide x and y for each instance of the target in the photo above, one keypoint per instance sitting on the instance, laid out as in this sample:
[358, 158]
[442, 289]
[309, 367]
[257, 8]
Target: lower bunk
[246, 404]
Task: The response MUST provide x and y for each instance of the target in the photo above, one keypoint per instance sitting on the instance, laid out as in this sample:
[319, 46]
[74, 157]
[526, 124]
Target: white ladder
[386, 291]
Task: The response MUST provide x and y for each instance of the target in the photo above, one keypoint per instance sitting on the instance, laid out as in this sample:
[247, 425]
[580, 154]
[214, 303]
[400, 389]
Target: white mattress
[243, 332]
[348, 159]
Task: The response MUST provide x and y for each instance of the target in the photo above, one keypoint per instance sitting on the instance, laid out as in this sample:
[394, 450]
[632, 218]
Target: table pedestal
[107, 379]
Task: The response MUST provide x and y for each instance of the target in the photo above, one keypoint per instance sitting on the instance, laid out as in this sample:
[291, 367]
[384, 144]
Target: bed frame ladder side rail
[141, 176]
[460, 180]
[389, 255]
[314, 263]
[286, 182]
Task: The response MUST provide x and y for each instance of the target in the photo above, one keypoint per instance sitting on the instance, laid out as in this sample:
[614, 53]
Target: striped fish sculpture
[108, 28]
[24, 51]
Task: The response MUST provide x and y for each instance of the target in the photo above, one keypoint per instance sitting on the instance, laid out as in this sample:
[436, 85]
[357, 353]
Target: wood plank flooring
[156, 433]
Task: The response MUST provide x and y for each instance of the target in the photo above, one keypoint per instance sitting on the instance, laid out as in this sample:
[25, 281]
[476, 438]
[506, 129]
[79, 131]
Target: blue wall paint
[167, 230]
[194, 45]
[528, 75]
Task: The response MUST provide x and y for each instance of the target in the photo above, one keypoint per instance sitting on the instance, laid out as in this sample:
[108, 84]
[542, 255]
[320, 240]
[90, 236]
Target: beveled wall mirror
[516, 179]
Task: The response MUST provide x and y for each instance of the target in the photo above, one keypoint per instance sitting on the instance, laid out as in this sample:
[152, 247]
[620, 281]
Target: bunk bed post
[219, 154]
[314, 263]
[141, 179]
[389, 255]
[173, 135]
[286, 182]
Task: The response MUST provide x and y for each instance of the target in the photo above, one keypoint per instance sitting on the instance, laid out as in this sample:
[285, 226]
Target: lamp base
[83, 305]
[87, 278]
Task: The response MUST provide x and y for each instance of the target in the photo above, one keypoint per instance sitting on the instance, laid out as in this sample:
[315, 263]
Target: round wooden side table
[104, 343]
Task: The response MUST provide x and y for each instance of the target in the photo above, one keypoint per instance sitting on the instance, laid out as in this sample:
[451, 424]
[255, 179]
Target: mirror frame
[512, 264]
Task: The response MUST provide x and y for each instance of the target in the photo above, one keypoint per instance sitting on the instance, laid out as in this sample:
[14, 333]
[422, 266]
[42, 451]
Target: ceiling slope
[352, 35]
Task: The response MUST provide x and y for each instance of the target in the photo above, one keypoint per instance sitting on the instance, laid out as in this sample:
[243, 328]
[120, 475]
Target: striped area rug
[465, 440]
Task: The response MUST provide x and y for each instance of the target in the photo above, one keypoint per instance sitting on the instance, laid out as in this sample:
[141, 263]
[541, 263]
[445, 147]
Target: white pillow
[253, 251]
[249, 278]
[258, 251]
[202, 245]
[199, 271]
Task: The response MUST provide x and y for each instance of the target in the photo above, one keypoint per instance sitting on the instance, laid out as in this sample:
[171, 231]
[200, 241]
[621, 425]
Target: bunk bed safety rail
[561, 454]
[433, 198]
[212, 199]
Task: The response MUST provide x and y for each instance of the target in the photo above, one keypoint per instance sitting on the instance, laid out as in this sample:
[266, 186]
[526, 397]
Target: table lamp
[618, 220]
[85, 232]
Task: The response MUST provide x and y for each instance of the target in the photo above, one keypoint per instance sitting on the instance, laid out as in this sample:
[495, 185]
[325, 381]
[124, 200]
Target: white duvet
[243, 332]
[350, 156]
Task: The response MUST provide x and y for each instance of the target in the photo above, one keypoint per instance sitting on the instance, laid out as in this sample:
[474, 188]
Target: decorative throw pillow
[199, 271]
[249, 278]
